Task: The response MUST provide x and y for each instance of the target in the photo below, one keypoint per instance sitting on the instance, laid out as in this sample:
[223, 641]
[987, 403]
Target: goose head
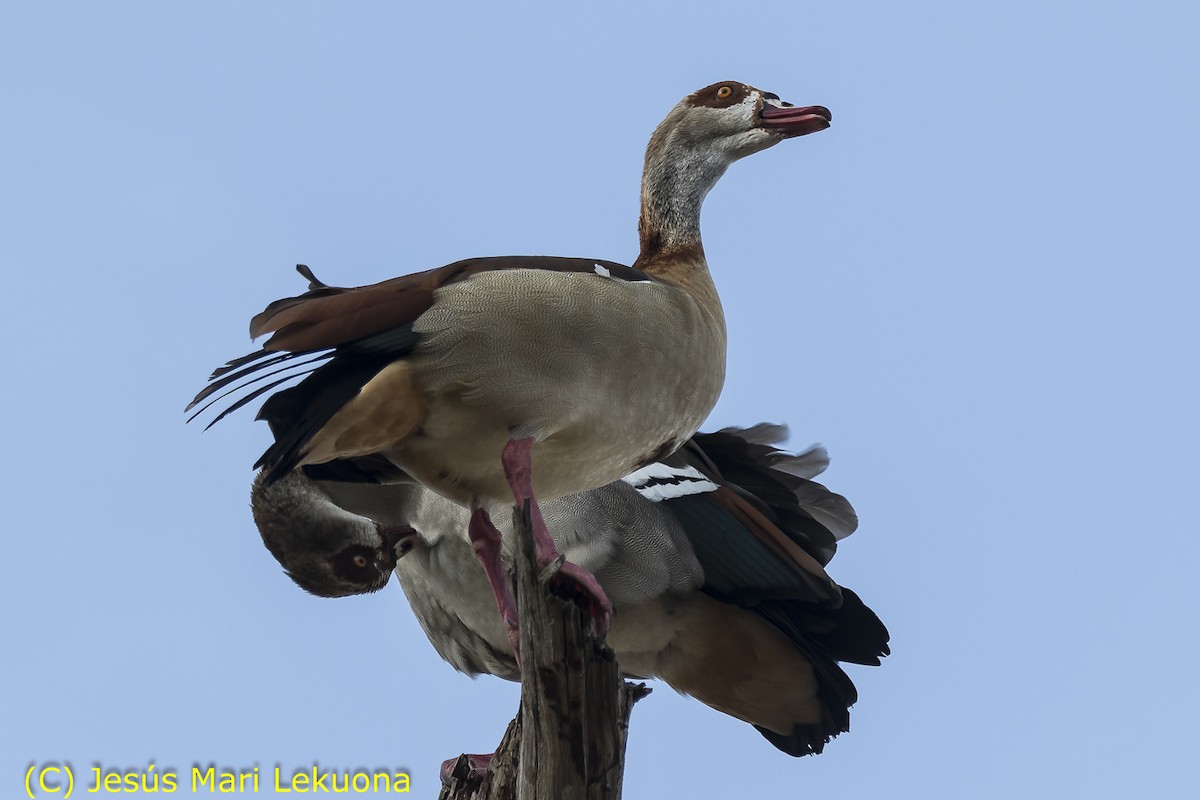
[731, 120]
[327, 551]
[691, 149]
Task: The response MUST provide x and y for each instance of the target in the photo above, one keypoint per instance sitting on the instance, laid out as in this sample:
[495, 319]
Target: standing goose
[522, 377]
[713, 559]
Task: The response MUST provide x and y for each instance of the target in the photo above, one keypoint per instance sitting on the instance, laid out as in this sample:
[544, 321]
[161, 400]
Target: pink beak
[792, 121]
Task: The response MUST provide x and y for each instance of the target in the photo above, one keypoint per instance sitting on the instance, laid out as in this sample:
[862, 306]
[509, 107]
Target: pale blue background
[978, 288]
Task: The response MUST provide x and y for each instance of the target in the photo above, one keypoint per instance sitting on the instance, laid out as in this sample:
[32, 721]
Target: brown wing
[328, 316]
[338, 339]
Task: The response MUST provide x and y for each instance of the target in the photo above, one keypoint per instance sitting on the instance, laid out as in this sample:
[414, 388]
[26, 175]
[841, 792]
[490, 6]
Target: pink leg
[485, 539]
[518, 468]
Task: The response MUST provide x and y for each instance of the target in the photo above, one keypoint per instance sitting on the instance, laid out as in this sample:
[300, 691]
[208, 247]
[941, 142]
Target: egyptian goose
[526, 377]
[713, 559]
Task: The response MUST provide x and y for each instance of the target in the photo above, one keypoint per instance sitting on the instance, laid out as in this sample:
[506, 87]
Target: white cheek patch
[722, 119]
[747, 107]
[657, 482]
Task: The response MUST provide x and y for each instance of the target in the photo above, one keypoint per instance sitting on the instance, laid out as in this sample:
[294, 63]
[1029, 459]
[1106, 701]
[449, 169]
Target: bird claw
[552, 568]
[576, 583]
[467, 767]
[512, 632]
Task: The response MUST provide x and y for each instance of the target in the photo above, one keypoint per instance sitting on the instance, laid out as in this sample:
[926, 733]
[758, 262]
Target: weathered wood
[568, 739]
[498, 783]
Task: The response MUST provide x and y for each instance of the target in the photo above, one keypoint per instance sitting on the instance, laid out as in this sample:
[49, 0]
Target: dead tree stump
[568, 739]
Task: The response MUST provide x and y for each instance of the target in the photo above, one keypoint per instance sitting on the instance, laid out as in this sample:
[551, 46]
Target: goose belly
[605, 375]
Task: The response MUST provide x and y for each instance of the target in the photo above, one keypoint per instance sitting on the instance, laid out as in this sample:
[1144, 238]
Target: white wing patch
[658, 482]
[603, 271]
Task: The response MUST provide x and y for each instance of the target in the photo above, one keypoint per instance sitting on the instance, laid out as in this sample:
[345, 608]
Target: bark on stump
[568, 739]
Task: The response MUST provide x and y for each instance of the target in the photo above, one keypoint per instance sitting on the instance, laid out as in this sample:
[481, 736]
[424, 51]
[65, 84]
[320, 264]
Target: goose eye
[724, 92]
[356, 565]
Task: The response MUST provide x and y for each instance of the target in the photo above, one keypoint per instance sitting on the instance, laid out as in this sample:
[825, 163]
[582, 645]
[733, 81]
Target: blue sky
[978, 289]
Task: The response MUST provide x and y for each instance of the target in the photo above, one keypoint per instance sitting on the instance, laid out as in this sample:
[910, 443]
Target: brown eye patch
[720, 95]
[356, 564]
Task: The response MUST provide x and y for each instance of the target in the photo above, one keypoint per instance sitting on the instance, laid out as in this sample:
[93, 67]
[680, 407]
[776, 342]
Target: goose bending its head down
[527, 377]
[714, 559]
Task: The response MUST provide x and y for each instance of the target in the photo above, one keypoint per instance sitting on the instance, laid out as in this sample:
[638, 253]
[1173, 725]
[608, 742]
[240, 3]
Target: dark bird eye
[360, 561]
[724, 92]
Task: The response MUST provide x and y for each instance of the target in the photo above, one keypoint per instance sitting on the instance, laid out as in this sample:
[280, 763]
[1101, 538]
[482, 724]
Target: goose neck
[677, 177]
